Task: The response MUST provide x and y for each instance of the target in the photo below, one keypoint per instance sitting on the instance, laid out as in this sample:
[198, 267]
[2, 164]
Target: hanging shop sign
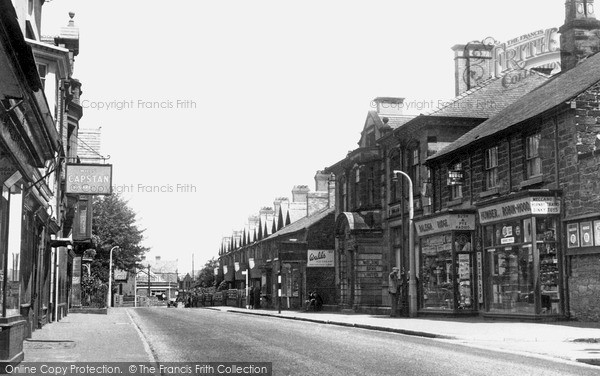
[320, 258]
[455, 177]
[89, 179]
[448, 222]
[517, 208]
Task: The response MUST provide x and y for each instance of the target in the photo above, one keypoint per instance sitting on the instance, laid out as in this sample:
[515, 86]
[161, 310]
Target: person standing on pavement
[394, 290]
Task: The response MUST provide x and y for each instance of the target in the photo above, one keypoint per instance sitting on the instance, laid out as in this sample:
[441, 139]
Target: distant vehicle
[171, 303]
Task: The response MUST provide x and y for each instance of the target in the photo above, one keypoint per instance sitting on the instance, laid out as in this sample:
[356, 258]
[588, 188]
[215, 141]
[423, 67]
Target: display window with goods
[447, 272]
[523, 266]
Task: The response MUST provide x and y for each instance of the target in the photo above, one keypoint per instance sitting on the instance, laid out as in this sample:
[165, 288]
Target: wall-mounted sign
[597, 233]
[517, 208]
[455, 177]
[89, 179]
[320, 258]
[448, 222]
[587, 239]
[573, 235]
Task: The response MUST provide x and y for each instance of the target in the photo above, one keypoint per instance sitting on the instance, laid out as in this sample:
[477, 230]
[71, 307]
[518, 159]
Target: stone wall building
[530, 174]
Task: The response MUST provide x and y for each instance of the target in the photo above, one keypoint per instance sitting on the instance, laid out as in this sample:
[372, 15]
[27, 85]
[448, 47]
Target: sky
[211, 110]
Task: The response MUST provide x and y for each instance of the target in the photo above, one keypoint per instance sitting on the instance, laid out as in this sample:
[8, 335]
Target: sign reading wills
[89, 179]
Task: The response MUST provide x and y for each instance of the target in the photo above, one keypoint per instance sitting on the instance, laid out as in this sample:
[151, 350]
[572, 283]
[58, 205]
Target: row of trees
[114, 224]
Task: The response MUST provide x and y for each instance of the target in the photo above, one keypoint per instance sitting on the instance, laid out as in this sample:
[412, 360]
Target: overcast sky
[269, 92]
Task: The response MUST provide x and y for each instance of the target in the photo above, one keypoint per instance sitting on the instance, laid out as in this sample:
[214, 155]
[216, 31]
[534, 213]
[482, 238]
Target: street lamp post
[110, 276]
[412, 282]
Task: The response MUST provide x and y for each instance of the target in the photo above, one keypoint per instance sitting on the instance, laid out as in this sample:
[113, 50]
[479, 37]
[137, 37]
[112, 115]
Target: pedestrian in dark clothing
[394, 290]
[314, 301]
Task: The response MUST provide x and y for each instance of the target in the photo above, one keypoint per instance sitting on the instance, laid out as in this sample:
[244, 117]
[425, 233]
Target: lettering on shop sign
[88, 179]
[320, 258]
[516, 208]
[479, 278]
[448, 222]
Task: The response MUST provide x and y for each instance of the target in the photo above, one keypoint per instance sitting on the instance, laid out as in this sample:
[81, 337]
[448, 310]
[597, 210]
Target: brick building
[529, 175]
[283, 248]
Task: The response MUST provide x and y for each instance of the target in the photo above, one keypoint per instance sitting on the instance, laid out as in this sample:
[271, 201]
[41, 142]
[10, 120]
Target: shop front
[448, 264]
[522, 256]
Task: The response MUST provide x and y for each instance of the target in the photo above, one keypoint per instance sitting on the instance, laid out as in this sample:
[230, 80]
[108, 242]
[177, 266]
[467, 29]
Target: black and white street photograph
[299, 188]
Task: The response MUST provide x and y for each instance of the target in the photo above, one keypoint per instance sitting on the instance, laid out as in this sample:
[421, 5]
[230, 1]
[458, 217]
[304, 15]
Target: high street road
[305, 348]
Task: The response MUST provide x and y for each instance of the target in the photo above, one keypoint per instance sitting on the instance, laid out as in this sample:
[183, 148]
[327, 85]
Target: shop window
[437, 272]
[512, 275]
[511, 279]
[533, 160]
[491, 168]
[13, 291]
[549, 270]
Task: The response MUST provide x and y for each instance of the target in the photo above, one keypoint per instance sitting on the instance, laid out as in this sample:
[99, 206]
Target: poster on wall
[586, 234]
[320, 258]
[573, 235]
[597, 233]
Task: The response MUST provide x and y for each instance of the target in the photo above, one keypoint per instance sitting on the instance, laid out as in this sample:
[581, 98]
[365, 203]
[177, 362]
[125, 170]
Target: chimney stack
[580, 35]
[389, 106]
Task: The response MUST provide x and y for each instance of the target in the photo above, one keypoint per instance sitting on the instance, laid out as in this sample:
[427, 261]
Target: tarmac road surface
[305, 348]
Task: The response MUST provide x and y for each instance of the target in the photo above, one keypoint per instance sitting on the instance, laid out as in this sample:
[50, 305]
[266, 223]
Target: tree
[206, 276]
[114, 224]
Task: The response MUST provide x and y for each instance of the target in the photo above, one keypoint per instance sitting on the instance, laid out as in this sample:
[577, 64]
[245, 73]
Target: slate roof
[302, 223]
[397, 121]
[393, 121]
[491, 96]
[558, 90]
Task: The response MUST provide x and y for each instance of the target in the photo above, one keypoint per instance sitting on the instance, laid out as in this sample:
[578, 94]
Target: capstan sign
[89, 179]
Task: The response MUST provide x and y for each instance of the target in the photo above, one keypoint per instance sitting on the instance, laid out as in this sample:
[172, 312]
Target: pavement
[91, 337]
[85, 337]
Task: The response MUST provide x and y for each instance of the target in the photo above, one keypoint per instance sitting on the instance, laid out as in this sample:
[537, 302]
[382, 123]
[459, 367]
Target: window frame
[490, 165]
[533, 161]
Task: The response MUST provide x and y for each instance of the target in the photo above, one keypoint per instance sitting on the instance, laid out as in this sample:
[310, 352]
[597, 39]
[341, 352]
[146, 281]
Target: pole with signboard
[279, 289]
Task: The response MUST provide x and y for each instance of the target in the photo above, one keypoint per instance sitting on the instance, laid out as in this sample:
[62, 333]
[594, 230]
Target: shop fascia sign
[320, 258]
[517, 208]
[89, 179]
[443, 223]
